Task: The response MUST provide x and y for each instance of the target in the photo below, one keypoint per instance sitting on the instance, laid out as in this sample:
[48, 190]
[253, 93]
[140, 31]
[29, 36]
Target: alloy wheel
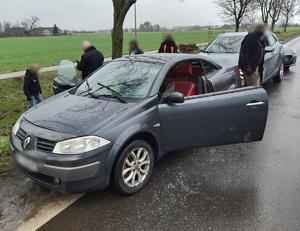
[136, 167]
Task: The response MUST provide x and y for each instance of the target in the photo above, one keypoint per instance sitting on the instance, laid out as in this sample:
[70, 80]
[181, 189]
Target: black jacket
[252, 53]
[168, 46]
[90, 61]
[31, 84]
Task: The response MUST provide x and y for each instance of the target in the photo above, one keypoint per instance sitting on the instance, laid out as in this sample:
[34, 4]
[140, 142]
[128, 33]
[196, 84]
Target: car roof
[238, 34]
[163, 58]
[233, 34]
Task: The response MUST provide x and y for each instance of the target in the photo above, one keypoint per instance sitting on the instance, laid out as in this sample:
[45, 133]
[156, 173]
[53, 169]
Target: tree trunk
[286, 25]
[120, 10]
[117, 38]
[237, 26]
[273, 25]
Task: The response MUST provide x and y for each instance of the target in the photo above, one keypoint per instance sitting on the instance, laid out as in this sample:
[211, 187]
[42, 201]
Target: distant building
[46, 31]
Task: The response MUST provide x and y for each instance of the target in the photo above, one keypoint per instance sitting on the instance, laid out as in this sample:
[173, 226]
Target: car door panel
[236, 116]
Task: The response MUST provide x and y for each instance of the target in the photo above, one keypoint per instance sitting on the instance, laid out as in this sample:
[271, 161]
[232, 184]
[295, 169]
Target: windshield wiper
[115, 93]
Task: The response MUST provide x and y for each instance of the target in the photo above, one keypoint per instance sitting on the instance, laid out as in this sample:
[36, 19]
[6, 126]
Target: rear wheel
[134, 167]
[278, 78]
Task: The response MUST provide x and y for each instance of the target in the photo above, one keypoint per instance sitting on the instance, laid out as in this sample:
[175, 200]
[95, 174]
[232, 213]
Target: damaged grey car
[113, 127]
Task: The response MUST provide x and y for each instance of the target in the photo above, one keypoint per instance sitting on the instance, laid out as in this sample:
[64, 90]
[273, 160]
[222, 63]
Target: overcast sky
[97, 14]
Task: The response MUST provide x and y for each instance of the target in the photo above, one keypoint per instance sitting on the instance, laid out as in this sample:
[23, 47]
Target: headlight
[80, 145]
[17, 125]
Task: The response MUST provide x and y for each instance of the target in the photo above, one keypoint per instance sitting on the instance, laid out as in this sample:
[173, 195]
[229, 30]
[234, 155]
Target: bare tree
[275, 12]
[1, 27]
[30, 23]
[6, 26]
[288, 11]
[235, 10]
[265, 8]
[121, 7]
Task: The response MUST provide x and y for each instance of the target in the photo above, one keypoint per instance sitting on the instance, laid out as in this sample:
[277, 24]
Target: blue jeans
[35, 99]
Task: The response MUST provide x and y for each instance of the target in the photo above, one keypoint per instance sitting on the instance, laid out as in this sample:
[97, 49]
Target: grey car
[225, 50]
[113, 127]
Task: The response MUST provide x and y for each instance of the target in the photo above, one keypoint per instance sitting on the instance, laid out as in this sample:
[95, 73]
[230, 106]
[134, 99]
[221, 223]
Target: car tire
[278, 78]
[134, 168]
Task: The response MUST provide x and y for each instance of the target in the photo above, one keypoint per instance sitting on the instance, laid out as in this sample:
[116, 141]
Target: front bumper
[290, 60]
[65, 173]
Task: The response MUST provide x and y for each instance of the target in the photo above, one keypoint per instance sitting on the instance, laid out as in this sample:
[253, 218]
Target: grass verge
[12, 104]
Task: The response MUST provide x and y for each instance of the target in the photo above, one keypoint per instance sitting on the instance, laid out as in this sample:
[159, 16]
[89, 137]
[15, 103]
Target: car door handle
[253, 104]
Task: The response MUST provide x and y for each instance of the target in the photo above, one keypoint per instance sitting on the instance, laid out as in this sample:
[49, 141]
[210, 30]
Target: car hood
[73, 114]
[224, 59]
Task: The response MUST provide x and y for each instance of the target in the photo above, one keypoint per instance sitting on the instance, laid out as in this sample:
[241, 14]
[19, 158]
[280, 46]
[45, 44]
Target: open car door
[67, 77]
[220, 118]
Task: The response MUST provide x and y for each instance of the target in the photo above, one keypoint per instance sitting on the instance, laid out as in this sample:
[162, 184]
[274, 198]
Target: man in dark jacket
[134, 48]
[168, 45]
[90, 61]
[252, 56]
[32, 87]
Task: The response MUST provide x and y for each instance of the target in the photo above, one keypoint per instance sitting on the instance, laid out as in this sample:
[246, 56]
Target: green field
[17, 53]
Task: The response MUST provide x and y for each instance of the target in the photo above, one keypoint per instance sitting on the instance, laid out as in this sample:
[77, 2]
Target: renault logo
[26, 142]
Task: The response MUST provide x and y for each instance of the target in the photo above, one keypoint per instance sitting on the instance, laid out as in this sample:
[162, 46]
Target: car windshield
[124, 79]
[225, 44]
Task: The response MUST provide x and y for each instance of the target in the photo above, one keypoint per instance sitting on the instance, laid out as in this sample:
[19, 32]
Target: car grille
[45, 145]
[21, 134]
[41, 144]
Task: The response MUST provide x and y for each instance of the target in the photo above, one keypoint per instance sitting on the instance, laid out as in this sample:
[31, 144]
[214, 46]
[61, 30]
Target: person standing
[252, 56]
[90, 61]
[168, 45]
[134, 48]
[32, 87]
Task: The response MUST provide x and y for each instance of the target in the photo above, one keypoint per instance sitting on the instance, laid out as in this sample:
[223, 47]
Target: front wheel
[278, 78]
[134, 168]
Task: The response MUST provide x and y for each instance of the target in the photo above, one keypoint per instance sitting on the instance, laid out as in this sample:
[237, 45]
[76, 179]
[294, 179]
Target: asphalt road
[238, 187]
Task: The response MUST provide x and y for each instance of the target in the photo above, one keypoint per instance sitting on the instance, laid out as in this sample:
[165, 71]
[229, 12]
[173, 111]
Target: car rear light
[239, 71]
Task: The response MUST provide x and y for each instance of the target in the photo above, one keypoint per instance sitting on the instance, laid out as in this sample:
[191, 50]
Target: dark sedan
[114, 126]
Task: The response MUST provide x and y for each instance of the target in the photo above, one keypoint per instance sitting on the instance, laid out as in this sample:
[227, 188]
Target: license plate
[27, 163]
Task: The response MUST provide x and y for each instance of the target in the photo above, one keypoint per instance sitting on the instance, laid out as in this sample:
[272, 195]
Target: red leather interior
[186, 88]
[185, 69]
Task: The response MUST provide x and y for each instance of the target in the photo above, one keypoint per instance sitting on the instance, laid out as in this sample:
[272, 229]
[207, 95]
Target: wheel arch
[143, 135]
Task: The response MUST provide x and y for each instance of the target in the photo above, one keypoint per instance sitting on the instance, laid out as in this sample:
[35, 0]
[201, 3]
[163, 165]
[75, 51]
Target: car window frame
[200, 60]
[271, 36]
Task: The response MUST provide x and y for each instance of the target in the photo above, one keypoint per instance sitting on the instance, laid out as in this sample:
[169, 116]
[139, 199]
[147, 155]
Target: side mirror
[174, 98]
[269, 49]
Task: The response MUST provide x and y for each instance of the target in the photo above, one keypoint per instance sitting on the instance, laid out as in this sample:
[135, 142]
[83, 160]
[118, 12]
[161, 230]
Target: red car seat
[184, 72]
[186, 88]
